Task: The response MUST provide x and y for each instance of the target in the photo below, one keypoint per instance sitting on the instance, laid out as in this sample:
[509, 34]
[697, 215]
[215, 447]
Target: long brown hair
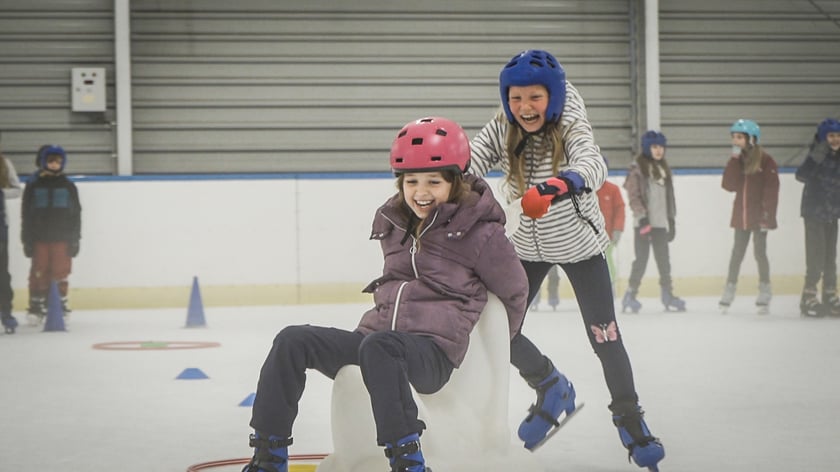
[752, 159]
[651, 168]
[553, 134]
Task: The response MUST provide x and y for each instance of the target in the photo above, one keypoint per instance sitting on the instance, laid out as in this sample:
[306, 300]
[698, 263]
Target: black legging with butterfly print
[590, 280]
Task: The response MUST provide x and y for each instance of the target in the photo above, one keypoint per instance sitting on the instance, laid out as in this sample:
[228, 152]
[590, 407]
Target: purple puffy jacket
[440, 288]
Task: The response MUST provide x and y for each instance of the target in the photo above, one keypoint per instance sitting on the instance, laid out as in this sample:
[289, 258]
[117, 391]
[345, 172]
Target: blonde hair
[553, 133]
[4, 172]
[752, 159]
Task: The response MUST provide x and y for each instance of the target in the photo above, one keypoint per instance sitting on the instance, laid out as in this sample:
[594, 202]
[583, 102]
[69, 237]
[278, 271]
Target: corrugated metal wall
[313, 86]
[272, 86]
[267, 86]
[40, 41]
[774, 61]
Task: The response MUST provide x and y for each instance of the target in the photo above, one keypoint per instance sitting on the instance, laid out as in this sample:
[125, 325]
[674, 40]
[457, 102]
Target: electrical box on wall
[88, 88]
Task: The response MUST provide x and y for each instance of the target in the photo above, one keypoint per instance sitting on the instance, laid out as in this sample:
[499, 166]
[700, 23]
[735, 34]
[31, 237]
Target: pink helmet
[430, 144]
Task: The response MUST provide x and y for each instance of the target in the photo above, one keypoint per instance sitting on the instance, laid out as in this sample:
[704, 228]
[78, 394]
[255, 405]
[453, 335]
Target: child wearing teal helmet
[753, 176]
[820, 210]
[543, 143]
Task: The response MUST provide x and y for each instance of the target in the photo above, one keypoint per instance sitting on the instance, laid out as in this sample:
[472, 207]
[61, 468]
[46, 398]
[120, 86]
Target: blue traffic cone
[55, 310]
[249, 400]
[192, 373]
[195, 313]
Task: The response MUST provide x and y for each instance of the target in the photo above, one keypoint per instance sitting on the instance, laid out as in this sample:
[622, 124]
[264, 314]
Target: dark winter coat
[820, 172]
[436, 285]
[50, 210]
[756, 195]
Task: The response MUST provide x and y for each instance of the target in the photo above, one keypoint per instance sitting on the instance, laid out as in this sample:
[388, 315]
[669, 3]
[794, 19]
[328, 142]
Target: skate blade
[561, 423]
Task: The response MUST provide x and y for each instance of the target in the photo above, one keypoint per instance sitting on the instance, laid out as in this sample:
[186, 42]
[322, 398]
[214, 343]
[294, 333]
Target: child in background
[820, 172]
[650, 189]
[51, 217]
[612, 205]
[444, 247]
[10, 187]
[543, 142]
[753, 175]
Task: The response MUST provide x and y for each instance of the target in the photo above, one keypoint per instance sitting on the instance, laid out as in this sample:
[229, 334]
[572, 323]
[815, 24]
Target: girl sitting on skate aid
[444, 247]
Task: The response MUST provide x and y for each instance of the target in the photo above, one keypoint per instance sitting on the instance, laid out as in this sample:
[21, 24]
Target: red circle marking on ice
[292, 467]
[154, 345]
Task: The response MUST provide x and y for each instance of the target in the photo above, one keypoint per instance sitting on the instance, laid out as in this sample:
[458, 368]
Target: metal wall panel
[774, 61]
[40, 41]
[267, 86]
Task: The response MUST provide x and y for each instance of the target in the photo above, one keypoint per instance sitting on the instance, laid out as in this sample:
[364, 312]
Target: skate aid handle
[538, 199]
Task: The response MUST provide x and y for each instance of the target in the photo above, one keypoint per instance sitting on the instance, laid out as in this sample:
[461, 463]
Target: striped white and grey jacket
[562, 235]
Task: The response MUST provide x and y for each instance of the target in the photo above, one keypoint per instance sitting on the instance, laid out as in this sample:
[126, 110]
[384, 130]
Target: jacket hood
[459, 218]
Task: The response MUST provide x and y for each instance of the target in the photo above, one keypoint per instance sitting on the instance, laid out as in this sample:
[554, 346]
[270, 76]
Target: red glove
[538, 199]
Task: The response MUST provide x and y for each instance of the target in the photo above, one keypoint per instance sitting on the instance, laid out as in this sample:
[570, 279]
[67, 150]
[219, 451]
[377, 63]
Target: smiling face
[528, 106]
[833, 140]
[424, 191]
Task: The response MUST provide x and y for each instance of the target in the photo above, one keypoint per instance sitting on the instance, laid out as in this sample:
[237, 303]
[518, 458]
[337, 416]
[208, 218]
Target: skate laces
[632, 423]
[264, 460]
[537, 408]
[399, 456]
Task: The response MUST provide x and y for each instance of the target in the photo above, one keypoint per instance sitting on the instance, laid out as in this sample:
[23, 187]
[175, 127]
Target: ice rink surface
[735, 392]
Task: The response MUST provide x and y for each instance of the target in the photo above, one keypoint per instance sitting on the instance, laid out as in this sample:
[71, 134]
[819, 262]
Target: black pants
[821, 254]
[739, 250]
[590, 280]
[389, 361]
[658, 239]
[6, 292]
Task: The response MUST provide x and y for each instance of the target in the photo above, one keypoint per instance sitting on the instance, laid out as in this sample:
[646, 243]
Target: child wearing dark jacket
[820, 172]
[51, 227]
[444, 247]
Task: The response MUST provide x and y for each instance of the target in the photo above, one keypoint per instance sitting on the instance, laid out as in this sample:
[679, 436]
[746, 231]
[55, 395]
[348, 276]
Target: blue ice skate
[270, 455]
[670, 301]
[643, 448]
[629, 301]
[555, 396]
[405, 455]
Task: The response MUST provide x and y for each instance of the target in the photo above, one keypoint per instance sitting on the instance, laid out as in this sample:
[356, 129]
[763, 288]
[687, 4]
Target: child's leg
[283, 374]
[760, 252]
[6, 293]
[739, 249]
[815, 252]
[39, 271]
[641, 244]
[390, 361]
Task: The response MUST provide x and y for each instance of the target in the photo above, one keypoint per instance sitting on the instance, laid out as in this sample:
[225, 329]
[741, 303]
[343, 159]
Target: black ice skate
[809, 305]
[9, 323]
[37, 311]
[831, 304]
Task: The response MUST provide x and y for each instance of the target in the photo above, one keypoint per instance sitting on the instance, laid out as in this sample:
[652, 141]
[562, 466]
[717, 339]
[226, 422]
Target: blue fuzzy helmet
[535, 67]
[650, 138]
[50, 149]
[828, 125]
[748, 127]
